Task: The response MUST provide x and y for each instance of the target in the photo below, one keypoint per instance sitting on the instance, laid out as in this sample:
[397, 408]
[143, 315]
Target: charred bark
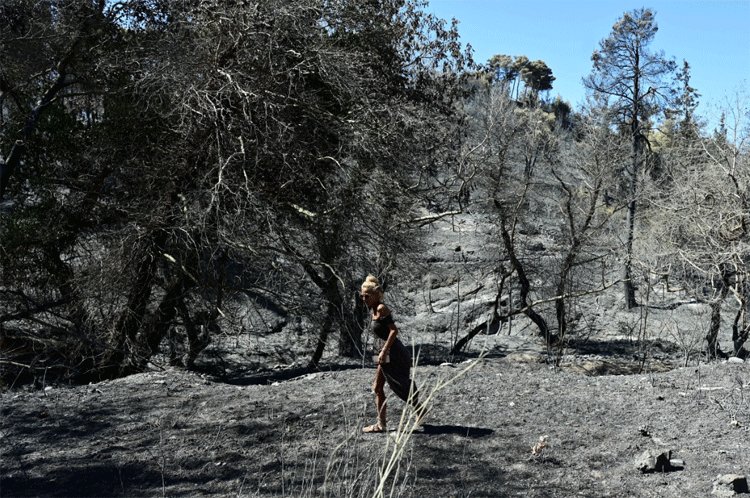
[523, 280]
[740, 332]
[124, 354]
[713, 349]
[495, 319]
[333, 305]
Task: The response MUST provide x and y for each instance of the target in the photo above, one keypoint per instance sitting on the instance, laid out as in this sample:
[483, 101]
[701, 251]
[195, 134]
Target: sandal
[375, 428]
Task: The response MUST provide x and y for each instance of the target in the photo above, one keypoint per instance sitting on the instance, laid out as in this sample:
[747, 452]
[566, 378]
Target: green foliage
[537, 76]
[508, 71]
[503, 68]
[684, 104]
[563, 112]
[626, 73]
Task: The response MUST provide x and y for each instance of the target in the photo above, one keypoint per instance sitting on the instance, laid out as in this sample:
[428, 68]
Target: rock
[653, 461]
[537, 247]
[729, 485]
[432, 281]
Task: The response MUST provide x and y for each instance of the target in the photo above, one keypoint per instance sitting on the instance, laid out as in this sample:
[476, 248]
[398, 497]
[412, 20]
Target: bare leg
[379, 389]
[379, 386]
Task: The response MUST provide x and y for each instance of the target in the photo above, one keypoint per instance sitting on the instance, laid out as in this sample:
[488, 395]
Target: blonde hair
[371, 284]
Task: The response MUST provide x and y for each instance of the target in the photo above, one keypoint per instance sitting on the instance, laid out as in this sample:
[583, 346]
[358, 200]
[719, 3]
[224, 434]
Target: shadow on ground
[458, 430]
[82, 479]
[631, 349]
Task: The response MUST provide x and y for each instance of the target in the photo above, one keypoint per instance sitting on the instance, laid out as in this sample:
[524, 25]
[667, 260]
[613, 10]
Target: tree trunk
[329, 285]
[163, 318]
[125, 346]
[740, 330]
[712, 337]
[198, 334]
[350, 343]
[199, 337]
[325, 331]
[495, 319]
[524, 282]
[560, 312]
[627, 276]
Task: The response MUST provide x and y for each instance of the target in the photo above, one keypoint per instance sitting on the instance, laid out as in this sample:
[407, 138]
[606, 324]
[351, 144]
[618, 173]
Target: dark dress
[398, 369]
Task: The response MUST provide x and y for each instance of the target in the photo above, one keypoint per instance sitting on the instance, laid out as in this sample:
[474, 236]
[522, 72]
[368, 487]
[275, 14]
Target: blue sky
[713, 36]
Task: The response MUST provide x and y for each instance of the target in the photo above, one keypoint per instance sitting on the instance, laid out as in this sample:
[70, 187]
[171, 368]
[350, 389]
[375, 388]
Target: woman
[394, 363]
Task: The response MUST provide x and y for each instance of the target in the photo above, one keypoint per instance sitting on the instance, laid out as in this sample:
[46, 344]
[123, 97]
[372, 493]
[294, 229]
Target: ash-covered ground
[521, 420]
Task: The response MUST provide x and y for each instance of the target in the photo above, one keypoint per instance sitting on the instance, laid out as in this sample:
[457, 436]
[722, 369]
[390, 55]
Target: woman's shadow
[458, 430]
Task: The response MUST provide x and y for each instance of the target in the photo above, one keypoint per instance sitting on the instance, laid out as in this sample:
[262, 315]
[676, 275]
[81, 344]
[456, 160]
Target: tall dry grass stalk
[351, 470]
[396, 444]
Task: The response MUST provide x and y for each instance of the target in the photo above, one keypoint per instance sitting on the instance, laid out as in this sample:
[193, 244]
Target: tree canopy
[509, 71]
[197, 154]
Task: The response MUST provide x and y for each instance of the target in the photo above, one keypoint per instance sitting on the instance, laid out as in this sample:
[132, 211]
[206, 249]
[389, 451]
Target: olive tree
[273, 151]
[539, 179]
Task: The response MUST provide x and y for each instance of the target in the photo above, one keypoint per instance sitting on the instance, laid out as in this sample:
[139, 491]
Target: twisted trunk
[524, 283]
